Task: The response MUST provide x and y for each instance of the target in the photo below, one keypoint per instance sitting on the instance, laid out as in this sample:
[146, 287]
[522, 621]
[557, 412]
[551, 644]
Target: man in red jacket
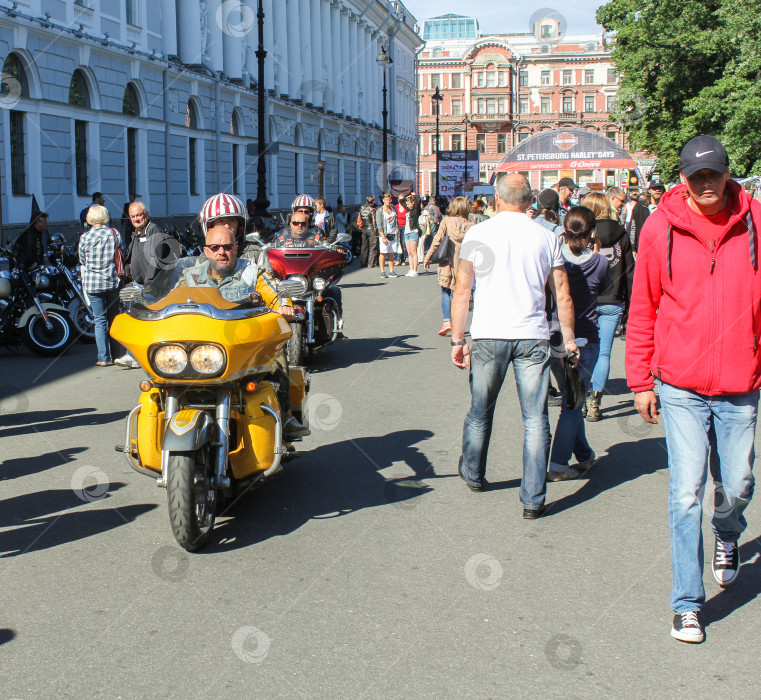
[694, 325]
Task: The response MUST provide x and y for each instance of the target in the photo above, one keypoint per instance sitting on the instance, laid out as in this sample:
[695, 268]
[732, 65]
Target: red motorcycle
[317, 271]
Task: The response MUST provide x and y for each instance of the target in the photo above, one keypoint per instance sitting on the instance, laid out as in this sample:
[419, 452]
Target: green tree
[688, 68]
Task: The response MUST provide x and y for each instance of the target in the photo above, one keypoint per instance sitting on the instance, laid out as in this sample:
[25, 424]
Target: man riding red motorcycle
[299, 233]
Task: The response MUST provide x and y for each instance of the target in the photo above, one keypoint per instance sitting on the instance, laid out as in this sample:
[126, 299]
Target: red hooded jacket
[695, 314]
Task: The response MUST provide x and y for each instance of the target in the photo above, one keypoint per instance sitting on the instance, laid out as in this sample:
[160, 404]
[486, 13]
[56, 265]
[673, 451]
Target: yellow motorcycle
[209, 422]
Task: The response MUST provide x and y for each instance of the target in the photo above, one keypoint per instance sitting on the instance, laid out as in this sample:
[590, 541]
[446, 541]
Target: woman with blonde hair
[99, 279]
[455, 225]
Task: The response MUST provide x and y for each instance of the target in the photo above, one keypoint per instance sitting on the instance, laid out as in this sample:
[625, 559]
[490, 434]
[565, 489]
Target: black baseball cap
[567, 182]
[548, 199]
[703, 152]
[657, 185]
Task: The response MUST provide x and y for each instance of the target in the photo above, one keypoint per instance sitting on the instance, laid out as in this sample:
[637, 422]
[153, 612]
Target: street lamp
[261, 203]
[384, 60]
[466, 122]
[437, 97]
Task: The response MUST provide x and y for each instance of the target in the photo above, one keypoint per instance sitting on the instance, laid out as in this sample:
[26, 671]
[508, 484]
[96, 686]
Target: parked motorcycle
[44, 327]
[318, 320]
[67, 288]
[209, 423]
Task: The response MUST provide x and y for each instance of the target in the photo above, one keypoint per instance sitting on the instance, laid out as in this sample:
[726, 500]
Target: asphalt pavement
[366, 568]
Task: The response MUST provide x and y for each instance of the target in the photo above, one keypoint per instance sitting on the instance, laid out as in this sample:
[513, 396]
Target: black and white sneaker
[687, 628]
[726, 562]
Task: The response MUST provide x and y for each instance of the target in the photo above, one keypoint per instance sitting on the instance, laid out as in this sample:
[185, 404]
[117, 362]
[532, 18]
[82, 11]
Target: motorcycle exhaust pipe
[278, 440]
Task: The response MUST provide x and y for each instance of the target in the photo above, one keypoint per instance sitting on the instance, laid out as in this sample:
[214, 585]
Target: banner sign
[566, 149]
[452, 171]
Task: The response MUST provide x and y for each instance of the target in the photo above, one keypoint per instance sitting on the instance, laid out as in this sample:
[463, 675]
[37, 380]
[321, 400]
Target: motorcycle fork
[171, 406]
[73, 285]
[310, 320]
[223, 433]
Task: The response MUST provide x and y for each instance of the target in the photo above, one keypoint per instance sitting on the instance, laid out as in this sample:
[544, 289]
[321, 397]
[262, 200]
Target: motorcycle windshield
[193, 279]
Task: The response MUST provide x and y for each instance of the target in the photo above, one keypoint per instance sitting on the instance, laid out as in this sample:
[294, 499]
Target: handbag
[443, 253]
[118, 257]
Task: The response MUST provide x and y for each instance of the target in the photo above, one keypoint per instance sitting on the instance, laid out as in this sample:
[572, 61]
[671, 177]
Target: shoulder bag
[443, 254]
[118, 257]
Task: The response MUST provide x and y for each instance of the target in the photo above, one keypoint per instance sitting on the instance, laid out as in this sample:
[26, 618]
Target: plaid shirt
[96, 253]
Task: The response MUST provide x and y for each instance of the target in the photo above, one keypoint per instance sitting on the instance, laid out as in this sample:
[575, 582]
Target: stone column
[318, 39]
[233, 38]
[335, 40]
[305, 49]
[190, 38]
[169, 27]
[280, 48]
[327, 70]
[214, 44]
[354, 66]
[344, 65]
[294, 24]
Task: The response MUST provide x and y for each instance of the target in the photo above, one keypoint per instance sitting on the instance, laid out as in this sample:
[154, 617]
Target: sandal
[103, 364]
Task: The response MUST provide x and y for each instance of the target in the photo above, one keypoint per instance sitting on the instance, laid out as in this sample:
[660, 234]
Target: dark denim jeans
[570, 436]
[489, 360]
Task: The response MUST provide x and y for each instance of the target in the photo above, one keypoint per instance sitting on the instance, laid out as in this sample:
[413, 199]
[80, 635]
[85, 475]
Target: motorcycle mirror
[253, 238]
[343, 237]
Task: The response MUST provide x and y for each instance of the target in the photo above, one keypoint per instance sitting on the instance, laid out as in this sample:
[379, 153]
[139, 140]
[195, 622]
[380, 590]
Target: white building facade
[158, 97]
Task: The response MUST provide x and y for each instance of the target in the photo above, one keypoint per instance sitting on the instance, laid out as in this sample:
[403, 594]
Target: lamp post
[384, 60]
[437, 97]
[466, 122]
[261, 203]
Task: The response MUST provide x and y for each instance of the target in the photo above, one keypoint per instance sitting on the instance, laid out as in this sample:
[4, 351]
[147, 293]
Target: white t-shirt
[512, 258]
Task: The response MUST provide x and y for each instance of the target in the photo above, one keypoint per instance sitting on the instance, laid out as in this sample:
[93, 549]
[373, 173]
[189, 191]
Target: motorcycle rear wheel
[44, 342]
[191, 497]
[83, 321]
[295, 348]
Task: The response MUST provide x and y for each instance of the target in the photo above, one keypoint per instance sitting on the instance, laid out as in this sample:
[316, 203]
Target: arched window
[235, 129]
[79, 95]
[191, 115]
[15, 82]
[131, 102]
[438, 53]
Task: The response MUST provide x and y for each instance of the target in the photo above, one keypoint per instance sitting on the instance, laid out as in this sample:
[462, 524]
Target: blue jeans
[697, 425]
[608, 317]
[570, 436]
[446, 303]
[105, 306]
[489, 360]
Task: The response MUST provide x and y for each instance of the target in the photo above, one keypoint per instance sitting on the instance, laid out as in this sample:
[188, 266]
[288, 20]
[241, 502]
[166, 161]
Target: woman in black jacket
[412, 231]
[612, 303]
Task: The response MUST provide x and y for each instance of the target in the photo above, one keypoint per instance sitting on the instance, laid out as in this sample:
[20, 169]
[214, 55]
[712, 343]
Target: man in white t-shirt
[512, 259]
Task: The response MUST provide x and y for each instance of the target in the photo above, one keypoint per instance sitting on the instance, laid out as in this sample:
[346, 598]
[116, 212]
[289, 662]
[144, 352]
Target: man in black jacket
[368, 256]
[30, 246]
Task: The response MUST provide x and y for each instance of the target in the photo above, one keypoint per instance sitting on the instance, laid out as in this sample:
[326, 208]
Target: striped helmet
[221, 206]
[303, 200]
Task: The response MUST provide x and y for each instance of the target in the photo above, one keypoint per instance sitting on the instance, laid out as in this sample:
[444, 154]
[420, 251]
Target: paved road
[367, 568]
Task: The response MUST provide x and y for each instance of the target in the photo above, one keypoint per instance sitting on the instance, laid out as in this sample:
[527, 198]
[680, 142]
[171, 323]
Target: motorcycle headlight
[319, 284]
[170, 359]
[207, 359]
[304, 284]
[41, 281]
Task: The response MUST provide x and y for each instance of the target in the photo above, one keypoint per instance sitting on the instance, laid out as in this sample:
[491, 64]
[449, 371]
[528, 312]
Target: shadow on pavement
[362, 284]
[40, 421]
[24, 466]
[744, 590]
[40, 524]
[7, 635]
[328, 482]
[623, 462]
[361, 351]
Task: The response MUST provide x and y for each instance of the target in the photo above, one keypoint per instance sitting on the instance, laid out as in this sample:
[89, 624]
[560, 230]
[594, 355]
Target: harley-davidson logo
[565, 141]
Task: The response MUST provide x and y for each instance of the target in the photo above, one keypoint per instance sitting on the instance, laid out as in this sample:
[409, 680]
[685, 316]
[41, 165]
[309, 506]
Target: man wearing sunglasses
[299, 233]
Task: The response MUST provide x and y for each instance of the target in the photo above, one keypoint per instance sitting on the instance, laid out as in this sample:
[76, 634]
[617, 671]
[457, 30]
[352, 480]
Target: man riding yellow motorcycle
[212, 418]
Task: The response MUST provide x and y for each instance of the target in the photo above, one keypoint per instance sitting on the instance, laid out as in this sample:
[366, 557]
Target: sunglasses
[299, 223]
[214, 247]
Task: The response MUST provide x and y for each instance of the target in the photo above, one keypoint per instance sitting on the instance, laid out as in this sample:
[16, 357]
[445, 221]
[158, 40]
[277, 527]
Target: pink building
[500, 89]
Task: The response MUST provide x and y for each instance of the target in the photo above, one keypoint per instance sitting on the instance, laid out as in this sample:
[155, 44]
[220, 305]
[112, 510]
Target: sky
[507, 16]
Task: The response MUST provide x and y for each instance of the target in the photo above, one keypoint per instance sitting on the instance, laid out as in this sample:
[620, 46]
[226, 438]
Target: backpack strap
[669, 240]
[752, 240]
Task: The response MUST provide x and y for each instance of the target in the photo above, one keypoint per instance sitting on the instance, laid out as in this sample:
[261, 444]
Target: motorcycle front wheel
[48, 342]
[295, 347]
[192, 498]
[82, 320]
